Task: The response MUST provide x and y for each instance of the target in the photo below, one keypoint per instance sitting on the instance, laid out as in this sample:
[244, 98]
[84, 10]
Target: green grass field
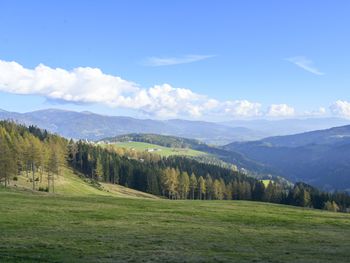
[95, 227]
[157, 149]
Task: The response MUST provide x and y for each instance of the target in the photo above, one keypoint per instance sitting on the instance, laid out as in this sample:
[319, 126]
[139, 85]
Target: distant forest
[39, 155]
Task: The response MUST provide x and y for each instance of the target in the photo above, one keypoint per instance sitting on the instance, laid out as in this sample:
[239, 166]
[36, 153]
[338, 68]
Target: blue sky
[217, 59]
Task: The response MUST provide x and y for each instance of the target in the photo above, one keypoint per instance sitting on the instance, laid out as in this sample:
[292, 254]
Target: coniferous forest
[39, 155]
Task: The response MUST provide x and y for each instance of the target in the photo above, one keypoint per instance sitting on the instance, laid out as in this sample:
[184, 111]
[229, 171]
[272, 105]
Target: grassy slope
[54, 228]
[164, 151]
[71, 184]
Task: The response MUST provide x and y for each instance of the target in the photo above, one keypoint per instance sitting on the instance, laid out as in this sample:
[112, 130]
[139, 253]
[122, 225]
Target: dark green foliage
[163, 140]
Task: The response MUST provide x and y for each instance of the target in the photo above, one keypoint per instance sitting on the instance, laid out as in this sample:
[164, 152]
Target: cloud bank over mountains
[91, 85]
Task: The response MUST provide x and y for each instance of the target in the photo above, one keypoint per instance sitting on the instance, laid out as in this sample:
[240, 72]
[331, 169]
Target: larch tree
[34, 156]
[201, 188]
[7, 165]
[184, 185]
[218, 194]
[193, 184]
[98, 170]
[209, 186]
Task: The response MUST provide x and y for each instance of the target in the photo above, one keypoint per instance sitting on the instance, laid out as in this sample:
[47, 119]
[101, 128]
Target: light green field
[85, 227]
[266, 182]
[156, 149]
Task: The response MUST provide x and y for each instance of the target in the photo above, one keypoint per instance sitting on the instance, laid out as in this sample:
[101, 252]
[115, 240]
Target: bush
[43, 189]
[15, 178]
[331, 206]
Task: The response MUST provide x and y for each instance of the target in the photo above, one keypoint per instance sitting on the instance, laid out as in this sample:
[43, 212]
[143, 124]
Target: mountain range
[91, 126]
[288, 126]
[320, 158]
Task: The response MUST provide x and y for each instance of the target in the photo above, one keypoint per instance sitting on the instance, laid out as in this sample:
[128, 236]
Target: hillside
[334, 136]
[70, 183]
[91, 126]
[213, 152]
[320, 158]
[163, 140]
[105, 229]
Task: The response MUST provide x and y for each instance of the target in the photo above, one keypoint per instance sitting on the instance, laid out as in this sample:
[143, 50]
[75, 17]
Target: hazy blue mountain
[334, 135]
[87, 125]
[320, 158]
[288, 126]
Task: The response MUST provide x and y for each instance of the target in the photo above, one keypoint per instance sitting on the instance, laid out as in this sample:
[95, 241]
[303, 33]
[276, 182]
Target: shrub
[43, 189]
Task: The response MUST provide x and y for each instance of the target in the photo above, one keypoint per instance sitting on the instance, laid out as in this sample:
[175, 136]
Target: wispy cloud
[168, 61]
[305, 64]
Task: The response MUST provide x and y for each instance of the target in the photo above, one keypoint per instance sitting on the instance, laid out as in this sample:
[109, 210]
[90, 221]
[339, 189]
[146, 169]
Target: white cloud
[305, 64]
[341, 108]
[242, 108]
[91, 85]
[79, 85]
[166, 101]
[168, 61]
[280, 110]
[316, 113]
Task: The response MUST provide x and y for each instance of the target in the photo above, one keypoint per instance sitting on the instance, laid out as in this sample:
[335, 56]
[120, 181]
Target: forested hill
[224, 155]
[40, 156]
[162, 140]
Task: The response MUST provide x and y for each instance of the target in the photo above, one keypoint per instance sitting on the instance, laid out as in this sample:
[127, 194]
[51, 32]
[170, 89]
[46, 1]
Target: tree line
[32, 152]
[39, 156]
[178, 177]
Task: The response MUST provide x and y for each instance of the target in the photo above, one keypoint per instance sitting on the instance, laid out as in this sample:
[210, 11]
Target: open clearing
[71, 184]
[157, 149]
[96, 228]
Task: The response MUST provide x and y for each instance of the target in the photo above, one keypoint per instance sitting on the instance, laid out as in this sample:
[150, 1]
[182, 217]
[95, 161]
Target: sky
[206, 60]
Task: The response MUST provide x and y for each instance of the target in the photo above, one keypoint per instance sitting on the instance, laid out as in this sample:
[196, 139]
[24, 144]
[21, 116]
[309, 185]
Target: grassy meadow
[71, 184]
[157, 149]
[102, 227]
